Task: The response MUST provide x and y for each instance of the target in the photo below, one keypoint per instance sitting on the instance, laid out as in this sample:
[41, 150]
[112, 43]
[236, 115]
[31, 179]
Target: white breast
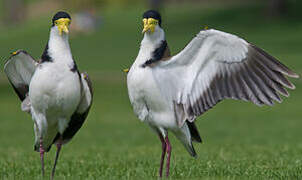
[55, 88]
[145, 95]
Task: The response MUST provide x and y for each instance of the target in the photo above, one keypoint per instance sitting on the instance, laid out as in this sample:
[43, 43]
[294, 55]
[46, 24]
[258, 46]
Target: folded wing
[216, 66]
[78, 118]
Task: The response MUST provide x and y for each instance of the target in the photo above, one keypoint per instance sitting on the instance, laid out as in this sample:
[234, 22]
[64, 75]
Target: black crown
[153, 14]
[60, 14]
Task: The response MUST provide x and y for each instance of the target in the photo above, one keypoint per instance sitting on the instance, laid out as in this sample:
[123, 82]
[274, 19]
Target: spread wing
[19, 70]
[216, 66]
[78, 118]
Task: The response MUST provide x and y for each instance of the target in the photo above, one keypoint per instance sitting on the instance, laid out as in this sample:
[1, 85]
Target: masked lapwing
[52, 90]
[169, 92]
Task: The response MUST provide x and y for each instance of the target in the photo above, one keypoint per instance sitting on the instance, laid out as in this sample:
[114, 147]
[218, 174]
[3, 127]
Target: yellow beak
[63, 24]
[149, 25]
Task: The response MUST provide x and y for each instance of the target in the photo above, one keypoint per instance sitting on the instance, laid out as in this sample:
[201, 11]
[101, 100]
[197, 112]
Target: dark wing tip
[291, 74]
[292, 86]
[278, 66]
[294, 75]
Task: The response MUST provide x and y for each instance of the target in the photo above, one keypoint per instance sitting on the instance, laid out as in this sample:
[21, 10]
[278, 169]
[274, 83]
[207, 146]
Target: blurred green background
[241, 141]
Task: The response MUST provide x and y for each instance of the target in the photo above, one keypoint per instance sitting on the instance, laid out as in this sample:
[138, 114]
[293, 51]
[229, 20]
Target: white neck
[153, 38]
[58, 46]
[150, 42]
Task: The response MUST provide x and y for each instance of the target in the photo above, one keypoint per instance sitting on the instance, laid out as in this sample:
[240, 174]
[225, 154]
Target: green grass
[241, 141]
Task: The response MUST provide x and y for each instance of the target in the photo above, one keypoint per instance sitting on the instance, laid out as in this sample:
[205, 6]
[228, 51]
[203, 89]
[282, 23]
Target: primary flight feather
[52, 90]
[169, 92]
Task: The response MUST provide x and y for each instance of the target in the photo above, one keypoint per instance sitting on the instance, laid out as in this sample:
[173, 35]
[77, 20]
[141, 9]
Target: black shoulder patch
[157, 54]
[45, 56]
[75, 67]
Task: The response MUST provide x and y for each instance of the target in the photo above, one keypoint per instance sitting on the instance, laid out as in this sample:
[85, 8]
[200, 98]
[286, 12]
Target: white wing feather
[215, 66]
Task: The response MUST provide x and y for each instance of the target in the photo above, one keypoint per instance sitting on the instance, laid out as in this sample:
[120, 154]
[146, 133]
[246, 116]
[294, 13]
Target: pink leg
[169, 149]
[42, 156]
[59, 145]
[162, 155]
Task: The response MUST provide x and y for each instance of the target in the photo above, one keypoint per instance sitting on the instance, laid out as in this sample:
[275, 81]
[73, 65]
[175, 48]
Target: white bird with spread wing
[168, 93]
[52, 90]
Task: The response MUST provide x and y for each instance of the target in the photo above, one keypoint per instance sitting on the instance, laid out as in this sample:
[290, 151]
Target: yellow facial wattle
[63, 25]
[149, 25]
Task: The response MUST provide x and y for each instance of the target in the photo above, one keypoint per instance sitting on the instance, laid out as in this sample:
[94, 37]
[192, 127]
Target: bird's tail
[184, 135]
[190, 148]
[194, 132]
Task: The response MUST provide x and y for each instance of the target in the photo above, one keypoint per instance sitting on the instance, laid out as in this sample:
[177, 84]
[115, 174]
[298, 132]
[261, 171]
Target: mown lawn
[241, 141]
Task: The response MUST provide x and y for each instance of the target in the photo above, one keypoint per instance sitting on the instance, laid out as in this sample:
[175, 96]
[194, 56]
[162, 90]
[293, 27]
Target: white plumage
[52, 90]
[170, 94]
[217, 65]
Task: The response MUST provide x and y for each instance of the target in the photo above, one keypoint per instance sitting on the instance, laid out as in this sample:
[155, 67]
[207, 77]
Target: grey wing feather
[19, 70]
[252, 81]
[216, 66]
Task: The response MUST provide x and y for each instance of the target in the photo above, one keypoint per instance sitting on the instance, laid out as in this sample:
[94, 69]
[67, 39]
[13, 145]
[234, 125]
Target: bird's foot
[169, 149]
[59, 145]
[162, 160]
